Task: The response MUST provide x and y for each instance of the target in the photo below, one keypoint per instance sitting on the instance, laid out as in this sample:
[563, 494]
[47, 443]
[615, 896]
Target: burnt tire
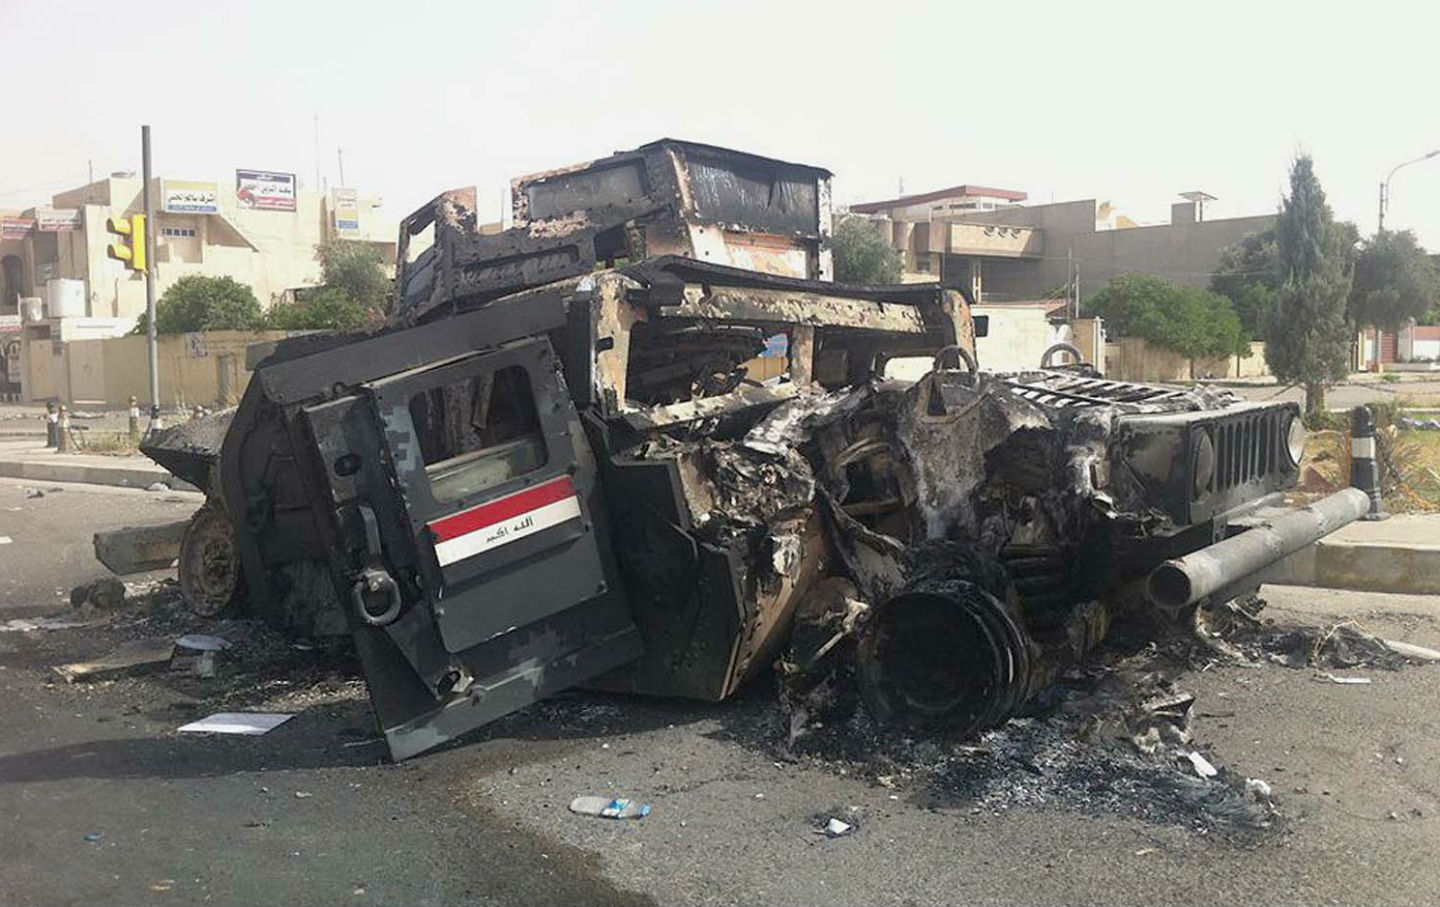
[210, 577]
[943, 656]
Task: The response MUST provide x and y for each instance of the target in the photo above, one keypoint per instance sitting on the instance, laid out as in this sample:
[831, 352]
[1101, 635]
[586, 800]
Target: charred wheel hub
[209, 564]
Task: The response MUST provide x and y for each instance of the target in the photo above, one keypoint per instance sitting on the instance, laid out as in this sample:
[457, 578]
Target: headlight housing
[1295, 437]
[1202, 463]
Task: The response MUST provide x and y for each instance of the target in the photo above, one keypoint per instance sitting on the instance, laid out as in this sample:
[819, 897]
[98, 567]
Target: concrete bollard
[64, 430]
[1364, 468]
[52, 425]
[134, 419]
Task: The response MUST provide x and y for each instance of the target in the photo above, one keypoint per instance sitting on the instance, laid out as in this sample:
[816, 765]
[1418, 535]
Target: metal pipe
[1186, 580]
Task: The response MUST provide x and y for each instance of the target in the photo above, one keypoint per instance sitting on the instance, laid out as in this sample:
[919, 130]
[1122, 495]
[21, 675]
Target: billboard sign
[57, 220]
[186, 197]
[265, 190]
[16, 227]
[346, 205]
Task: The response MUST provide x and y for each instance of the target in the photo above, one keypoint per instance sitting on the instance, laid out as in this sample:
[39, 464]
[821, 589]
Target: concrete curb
[120, 475]
[1411, 568]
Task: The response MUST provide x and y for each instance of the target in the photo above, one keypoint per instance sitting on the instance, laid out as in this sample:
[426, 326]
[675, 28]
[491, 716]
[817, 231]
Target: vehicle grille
[1249, 447]
[1061, 390]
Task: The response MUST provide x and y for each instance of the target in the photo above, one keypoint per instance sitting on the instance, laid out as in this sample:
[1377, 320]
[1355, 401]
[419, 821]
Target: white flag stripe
[506, 531]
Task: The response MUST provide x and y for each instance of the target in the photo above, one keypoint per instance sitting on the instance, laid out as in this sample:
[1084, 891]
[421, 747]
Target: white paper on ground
[252, 723]
[1203, 768]
[202, 642]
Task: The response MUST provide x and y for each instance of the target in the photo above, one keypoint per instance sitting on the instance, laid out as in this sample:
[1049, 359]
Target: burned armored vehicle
[639, 441]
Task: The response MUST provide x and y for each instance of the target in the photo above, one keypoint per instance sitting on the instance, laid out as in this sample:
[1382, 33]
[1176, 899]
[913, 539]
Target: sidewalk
[1401, 554]
[30, 459]
[27, 420]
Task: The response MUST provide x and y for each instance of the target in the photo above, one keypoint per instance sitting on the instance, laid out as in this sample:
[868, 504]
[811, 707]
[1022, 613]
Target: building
[58, 283]
[1027, 252]
[942, 203]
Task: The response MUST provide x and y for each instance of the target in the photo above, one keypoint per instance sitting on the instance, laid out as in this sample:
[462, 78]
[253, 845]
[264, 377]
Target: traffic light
[131, 247]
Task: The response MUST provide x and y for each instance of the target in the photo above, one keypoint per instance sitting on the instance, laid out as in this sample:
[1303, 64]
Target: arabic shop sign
[186, 197]
[16, 227]
[265, 190]
[57, 220]
[346, 205]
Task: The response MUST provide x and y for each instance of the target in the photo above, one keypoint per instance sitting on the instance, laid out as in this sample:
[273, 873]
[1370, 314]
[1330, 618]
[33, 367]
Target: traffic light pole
[151, 347]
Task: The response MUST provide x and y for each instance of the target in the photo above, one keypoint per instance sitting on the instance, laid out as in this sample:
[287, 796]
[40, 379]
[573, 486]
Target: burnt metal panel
[295, 373]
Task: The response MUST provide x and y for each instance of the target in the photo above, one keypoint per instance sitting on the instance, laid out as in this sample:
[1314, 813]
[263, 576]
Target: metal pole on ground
[1364, 468]
[151, 347]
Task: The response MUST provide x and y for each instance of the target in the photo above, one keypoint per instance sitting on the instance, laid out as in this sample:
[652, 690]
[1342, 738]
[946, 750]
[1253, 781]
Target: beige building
[58, 283]
[1025, 252]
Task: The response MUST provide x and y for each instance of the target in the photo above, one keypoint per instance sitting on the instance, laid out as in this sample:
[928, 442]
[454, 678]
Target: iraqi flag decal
[504, 520]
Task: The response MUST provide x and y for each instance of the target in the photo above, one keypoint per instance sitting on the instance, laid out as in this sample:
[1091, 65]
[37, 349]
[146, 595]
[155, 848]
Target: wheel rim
[209, 567]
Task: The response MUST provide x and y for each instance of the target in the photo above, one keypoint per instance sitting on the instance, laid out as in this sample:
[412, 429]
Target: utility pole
[1385, 186]
[318, 187]
[151, 348]
[340, 157]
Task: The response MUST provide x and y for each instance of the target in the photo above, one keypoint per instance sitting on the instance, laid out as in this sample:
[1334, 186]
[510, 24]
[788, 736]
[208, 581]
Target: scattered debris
[134, 657]
[1347, 681]
[1203, 768]
[4, 539]
[26, 624]
[34, 493]
[1160, 721]
[1412, 651]
[303, 795]
[835, 828]
[609, 808]
[249, 723]
[1342, 645]
[104, 594]
[94, 836]
[201, 664]
[1258, 788]
[136, 549]
[157, 486]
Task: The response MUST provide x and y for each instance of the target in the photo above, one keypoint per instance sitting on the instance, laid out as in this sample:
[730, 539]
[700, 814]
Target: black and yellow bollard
[1364, 468]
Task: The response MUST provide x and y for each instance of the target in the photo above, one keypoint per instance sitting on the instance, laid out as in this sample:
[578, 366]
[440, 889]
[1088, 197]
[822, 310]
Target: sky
[1130, 103]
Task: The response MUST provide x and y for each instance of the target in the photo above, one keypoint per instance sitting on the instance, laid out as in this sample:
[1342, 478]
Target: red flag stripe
[492, 512]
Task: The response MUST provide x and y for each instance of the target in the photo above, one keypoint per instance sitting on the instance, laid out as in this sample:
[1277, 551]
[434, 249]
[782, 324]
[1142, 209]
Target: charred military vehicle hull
[668, 475]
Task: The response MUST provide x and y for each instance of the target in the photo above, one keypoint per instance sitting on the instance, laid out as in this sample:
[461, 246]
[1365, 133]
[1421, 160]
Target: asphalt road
[1348, 396]
[312, 814]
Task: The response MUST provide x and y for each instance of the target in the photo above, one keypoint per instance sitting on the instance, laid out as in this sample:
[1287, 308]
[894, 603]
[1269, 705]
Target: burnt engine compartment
[943, 548]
